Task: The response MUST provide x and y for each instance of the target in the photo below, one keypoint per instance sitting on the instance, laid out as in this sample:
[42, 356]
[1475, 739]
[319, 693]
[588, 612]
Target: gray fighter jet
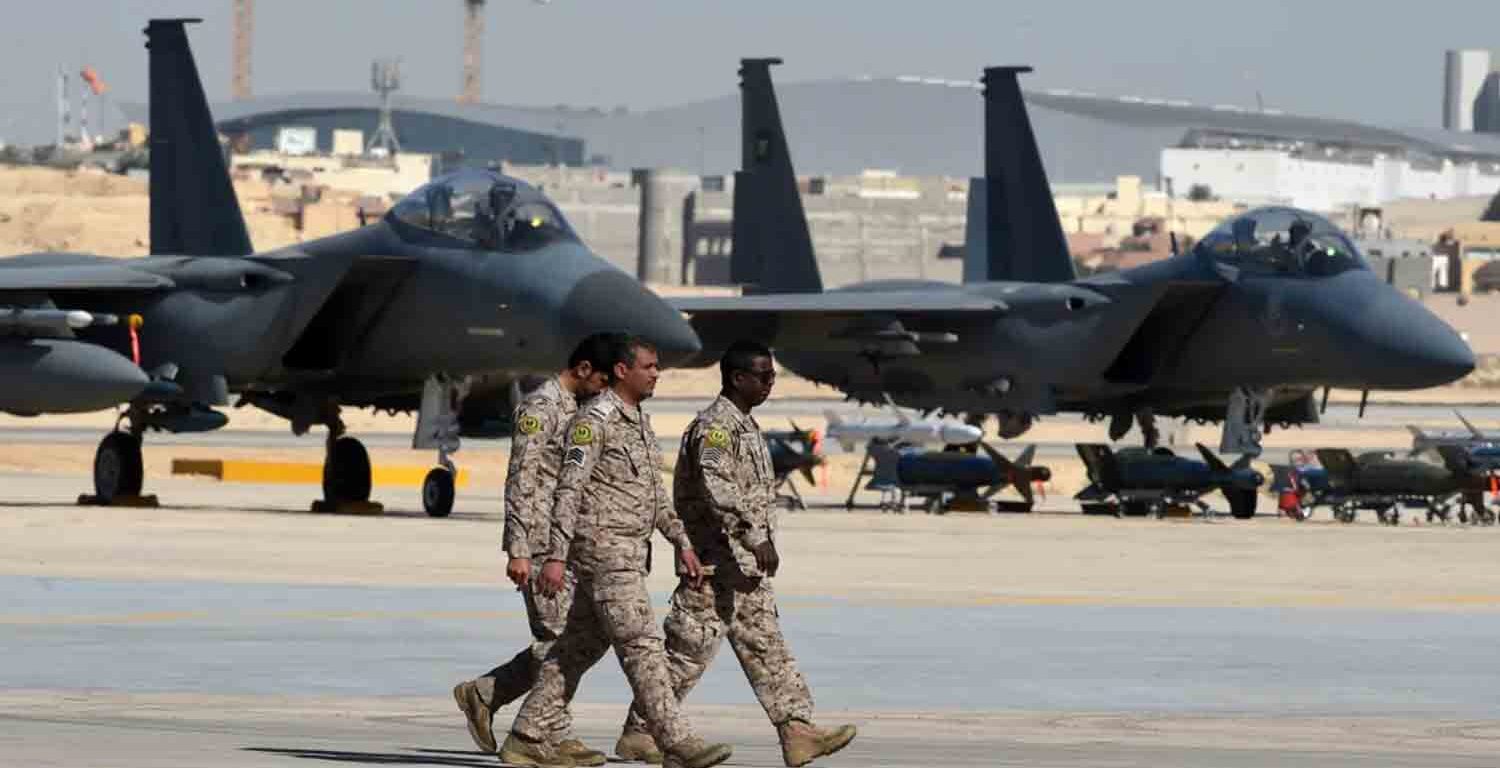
[470, 282]
[1245, 328]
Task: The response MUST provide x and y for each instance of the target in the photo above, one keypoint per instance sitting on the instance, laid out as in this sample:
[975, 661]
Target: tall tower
[473, 45]
[385, 79]
[1464, 73]
[244, 28]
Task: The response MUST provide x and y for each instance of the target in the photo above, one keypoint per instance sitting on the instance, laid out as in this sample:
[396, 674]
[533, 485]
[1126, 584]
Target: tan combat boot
[478, 714]
[533, 754]
[637, 746]
[801, 743]
[695, 753]
[580, 754]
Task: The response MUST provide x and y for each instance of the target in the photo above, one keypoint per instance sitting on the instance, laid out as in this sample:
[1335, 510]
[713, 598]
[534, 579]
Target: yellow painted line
[171, 617]
[296, 473]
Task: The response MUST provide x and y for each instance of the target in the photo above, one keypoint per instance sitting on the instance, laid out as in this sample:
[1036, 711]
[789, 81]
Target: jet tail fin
[1023, 234]
[193, 206]
[773, 251]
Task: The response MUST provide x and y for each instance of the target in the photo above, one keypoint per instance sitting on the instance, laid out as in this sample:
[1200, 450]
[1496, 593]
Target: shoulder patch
[583, 434]
[529, 424]
[717, 436]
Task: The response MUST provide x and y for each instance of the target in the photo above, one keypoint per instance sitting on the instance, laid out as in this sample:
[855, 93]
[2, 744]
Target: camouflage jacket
[724, 487]
[610, 494]
[536, 454]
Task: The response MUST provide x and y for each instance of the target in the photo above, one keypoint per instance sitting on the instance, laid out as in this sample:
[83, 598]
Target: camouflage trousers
[744, 610]
[511, 680]
[609, 609]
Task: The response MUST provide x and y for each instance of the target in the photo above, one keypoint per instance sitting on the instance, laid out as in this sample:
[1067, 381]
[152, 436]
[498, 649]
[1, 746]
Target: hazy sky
[1335, 58]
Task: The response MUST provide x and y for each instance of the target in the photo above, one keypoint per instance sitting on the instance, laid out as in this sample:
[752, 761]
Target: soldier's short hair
[740, 356]
[594, 350]
[623, 349]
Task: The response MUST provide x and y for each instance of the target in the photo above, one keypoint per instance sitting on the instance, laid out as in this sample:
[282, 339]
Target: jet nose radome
[610, 300]
[1417, 349]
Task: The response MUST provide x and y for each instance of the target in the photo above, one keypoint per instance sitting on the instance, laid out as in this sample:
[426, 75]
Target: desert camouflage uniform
[724, 489]
[536, 454]
[610, 496]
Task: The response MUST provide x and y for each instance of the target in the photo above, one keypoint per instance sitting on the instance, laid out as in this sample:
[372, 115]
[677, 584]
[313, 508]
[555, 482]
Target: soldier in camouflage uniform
[536, 455]
[609, 498]
[724, 489]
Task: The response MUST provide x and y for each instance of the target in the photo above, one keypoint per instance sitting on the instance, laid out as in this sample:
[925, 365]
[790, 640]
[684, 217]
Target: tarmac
[232, 628]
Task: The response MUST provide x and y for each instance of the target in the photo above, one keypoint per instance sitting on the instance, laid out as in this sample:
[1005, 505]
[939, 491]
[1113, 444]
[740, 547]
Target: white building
[1321, 177]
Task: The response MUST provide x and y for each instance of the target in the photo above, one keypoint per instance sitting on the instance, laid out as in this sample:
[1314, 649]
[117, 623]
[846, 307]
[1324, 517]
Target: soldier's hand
[766, 558]
[551, 580]
[518, 570]
[691, 567]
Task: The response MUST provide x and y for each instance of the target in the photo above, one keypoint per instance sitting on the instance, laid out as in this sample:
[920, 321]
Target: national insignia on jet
[529, 425]
[575, 455]
[583, 434]
[718, 437]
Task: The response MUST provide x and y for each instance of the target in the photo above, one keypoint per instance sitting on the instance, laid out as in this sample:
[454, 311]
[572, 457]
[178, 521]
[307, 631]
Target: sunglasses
[765, 377]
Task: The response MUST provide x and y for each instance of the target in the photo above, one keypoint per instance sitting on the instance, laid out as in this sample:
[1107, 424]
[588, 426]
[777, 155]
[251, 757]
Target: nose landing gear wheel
[346, 472]
[437, 492]
[118, 469]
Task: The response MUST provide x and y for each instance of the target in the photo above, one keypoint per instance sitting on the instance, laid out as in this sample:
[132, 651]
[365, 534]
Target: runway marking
[171, 617]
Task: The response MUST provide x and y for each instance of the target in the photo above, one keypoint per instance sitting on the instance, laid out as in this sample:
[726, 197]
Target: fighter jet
[1422, 440]
[1244, 328]
[470, 282]
[901, 427]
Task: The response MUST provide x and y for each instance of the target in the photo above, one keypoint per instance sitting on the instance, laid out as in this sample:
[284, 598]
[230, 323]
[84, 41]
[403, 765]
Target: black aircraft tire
[118, 468]
[437, 492]
[346, 472]
[1242, 503]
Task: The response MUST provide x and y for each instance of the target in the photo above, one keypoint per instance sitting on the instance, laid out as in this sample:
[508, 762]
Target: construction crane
[244, 26]
[473, 43]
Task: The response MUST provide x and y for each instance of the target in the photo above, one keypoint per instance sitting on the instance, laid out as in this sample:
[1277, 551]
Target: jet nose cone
[610, 300]
[1418, 349]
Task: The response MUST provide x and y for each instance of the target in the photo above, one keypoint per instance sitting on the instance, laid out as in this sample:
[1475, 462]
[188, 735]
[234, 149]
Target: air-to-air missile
[1471, 436]
[1139, 481]
[901, 427]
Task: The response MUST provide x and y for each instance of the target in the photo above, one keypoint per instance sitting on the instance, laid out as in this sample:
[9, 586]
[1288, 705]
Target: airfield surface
[230, 627]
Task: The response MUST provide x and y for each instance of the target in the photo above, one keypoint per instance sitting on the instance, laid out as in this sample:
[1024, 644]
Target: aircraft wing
[78, 277]
[842, 303]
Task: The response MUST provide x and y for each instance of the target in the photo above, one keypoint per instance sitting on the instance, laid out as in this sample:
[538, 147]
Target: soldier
[536, 455]
[724, 490]
[610, 496]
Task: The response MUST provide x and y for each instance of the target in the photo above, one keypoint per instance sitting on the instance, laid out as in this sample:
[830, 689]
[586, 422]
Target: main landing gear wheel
[346, 472]
[437, 492]
[118, 468]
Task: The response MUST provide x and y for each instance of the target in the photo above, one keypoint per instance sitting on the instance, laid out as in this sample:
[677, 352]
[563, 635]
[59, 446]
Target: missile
[64, 376]
[24, 321]
[901, 428]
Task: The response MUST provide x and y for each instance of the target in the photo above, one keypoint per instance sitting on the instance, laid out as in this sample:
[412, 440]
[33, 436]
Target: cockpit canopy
[482, 209]
[1281, 241]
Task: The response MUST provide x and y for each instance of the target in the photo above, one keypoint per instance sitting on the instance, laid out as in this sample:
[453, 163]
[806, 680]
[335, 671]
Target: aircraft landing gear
[119, 469]
[346, 472]
[438, 427]
[1243, 424]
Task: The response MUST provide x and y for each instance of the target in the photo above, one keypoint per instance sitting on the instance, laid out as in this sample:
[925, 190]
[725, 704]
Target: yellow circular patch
[529, 425]
[718, 437]
[583, 434]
